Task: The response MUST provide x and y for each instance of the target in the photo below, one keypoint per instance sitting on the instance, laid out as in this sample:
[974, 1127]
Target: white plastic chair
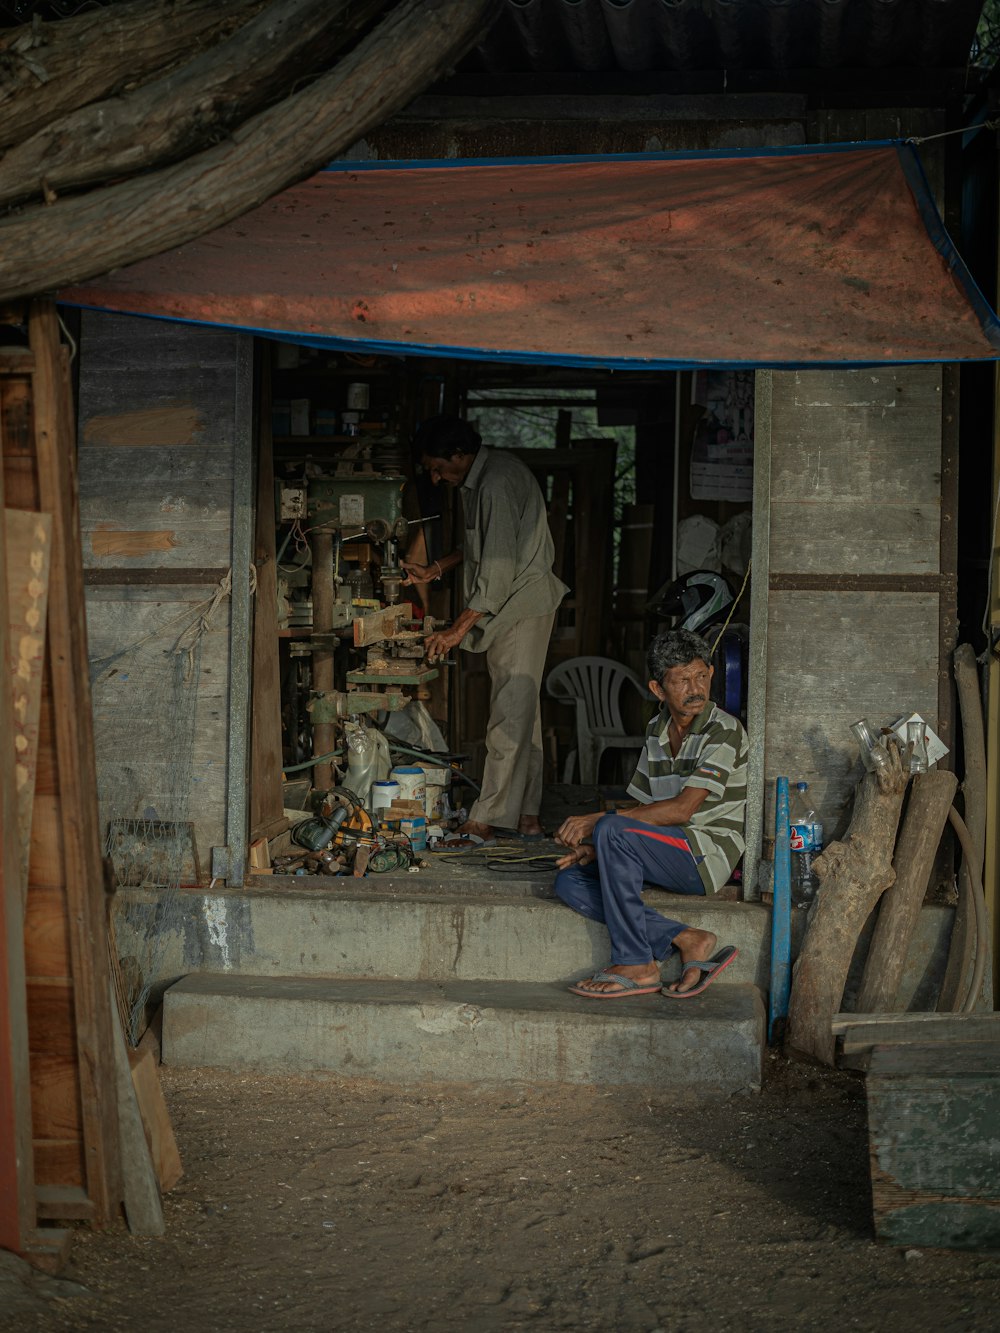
[594, 685]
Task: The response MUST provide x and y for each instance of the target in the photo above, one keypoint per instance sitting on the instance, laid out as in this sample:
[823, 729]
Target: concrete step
[419, 929]
[465, 1031]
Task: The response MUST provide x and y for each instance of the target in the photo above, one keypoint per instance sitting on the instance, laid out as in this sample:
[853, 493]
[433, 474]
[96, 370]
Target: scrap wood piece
[899, 911]
[862, 1031]
[28, 538]
[155, 1117]
[140, 1187]
[853, 873]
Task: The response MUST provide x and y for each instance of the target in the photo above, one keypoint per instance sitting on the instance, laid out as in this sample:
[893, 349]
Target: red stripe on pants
[662, 837]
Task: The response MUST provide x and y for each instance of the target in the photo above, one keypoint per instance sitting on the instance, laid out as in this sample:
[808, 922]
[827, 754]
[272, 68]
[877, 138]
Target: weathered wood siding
[156, 462]
[854, 622]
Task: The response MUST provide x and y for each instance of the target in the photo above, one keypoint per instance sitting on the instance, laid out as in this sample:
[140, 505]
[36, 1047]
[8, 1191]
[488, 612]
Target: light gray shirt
[507, 548]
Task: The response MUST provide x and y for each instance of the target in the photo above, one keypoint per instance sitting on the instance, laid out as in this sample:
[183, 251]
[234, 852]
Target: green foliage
[528, 425]
[986, 44]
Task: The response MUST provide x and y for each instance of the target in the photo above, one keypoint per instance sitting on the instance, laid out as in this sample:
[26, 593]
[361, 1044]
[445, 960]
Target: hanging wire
[962, 129]
[732, 609]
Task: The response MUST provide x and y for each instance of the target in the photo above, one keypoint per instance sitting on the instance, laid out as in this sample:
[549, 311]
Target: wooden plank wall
[855, 625]
[156, 436]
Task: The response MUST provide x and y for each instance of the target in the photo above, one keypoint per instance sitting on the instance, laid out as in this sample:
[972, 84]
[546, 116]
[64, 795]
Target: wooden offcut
[155, 1118]
[862, 1031]
[899, 911]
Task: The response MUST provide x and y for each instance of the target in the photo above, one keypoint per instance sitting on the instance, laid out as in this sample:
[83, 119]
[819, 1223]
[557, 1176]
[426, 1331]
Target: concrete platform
[417, 928]
[465, 1031]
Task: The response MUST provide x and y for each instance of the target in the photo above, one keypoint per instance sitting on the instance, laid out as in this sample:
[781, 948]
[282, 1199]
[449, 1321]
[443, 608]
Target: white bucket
[412, 783]
[383, 795]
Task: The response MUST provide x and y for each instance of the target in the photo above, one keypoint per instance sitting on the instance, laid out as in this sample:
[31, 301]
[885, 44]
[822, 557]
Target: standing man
[510, 596]
[685, 834]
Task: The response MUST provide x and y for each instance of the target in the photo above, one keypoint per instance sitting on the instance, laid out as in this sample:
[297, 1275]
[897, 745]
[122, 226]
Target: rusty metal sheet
[829, 255]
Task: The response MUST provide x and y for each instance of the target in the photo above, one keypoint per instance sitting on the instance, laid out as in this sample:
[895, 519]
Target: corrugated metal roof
[660, 35]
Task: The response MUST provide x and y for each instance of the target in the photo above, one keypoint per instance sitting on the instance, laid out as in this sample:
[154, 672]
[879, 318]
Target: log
[187, 109]
[963, 931]
[49, 69]
[853, 876]
[926, 815]
[45, 247]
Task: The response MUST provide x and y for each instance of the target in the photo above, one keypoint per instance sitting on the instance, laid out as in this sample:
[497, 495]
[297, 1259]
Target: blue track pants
[629, 855]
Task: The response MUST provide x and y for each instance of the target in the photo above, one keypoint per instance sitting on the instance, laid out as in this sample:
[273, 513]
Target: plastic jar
[412, 783]
[383, 794]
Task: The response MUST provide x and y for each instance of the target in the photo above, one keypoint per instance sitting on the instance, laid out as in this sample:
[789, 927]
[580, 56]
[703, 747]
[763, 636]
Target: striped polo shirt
[713, 756]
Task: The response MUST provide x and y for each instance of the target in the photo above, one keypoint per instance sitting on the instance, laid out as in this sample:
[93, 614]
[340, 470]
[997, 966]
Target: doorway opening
[647, 479]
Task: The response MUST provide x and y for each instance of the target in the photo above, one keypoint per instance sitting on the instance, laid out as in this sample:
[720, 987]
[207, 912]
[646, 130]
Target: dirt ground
[318, 1203]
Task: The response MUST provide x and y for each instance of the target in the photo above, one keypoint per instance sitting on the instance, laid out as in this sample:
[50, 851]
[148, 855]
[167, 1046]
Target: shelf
[366, 437]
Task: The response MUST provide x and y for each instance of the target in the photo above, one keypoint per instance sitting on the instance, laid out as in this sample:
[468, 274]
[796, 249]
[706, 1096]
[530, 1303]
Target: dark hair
[673, 648]
[444, 437]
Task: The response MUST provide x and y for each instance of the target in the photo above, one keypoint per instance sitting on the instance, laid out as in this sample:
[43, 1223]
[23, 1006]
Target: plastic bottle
[807, 843]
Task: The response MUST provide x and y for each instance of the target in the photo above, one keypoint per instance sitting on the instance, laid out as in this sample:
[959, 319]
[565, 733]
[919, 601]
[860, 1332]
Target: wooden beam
[74, 746]
[266, 792]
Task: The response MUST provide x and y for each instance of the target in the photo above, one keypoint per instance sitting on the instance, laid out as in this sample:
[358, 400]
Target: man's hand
[440, 643]
[419, 573]
[571, 832]
[579, 856]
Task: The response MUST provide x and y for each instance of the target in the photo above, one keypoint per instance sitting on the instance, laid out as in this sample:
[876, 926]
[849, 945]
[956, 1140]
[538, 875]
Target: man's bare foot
[477, 830]
[696, 946]
[530, 825]
[645, 974]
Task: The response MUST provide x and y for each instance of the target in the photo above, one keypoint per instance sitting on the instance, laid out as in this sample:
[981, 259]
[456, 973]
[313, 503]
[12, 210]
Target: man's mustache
[695, 699]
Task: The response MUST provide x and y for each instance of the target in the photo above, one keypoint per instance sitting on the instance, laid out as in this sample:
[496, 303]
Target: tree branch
[81, 237]
[50, 69]
[189, 108]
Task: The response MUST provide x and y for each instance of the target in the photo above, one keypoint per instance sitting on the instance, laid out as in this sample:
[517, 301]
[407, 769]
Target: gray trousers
[512, 774]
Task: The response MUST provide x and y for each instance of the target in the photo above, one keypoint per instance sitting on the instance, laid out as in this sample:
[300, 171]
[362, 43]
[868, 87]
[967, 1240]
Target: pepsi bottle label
[801, 837]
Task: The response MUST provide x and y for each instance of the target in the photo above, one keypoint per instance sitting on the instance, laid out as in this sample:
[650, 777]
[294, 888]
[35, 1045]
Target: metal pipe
[781, 915]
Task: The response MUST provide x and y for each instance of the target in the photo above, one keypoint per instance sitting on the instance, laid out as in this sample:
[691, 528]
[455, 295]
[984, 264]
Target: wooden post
[899, 911]
[321, 544]
[266, 796]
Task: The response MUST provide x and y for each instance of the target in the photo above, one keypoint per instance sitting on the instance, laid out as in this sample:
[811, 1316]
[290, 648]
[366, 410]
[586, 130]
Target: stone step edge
[717, 1003]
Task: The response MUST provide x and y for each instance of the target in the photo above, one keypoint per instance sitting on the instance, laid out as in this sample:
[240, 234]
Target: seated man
[691, 783]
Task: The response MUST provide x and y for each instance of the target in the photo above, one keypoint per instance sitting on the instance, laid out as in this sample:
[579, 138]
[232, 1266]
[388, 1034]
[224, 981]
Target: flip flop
[460, 842]
[625, 985]
[711, 967]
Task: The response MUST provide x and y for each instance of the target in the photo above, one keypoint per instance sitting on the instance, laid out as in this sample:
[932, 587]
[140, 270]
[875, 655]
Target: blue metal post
[781, 914]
